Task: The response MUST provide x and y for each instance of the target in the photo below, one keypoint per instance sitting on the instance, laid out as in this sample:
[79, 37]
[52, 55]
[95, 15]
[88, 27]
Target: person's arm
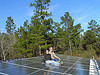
[52, 58]
[51, 55]
[56, 56]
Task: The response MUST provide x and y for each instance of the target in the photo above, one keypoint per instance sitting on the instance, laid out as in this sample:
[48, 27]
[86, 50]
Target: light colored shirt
[53, 55]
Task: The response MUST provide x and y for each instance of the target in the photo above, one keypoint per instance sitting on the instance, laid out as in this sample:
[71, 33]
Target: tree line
[32, 39]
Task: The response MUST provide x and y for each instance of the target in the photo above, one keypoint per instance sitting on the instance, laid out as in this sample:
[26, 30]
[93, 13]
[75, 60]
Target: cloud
[52, 8]
[83, 20]
[80, 19]
[76, 11]
[30, 12]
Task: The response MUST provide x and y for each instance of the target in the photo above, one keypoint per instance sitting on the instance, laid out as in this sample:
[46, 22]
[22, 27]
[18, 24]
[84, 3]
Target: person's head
[51, 49]
[47, 52]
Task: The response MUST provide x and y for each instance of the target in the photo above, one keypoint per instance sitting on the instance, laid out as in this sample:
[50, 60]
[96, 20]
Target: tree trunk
[39, 49]
[70, 47]
[75, 44]
[4, 56]
[46, 44]
[91, 50]
[3, 53]
[33, 52]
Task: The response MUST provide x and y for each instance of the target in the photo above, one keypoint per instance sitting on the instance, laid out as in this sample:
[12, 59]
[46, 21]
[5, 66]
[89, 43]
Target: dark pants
[56, 59]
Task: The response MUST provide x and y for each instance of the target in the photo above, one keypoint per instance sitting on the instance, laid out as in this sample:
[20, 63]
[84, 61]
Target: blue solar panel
[32, 66]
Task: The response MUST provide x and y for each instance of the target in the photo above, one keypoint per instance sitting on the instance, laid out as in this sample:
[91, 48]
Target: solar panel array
[32, 66]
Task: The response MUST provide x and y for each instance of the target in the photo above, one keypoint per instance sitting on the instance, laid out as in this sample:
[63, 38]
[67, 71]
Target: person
[47, 56]
[53, 55]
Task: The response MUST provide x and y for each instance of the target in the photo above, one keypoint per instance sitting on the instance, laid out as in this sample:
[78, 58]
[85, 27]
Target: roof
[32, 66]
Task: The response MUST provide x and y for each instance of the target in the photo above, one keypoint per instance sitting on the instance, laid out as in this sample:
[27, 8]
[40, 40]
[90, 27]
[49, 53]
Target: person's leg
[53, 59]
[44, 73]
[56, 59]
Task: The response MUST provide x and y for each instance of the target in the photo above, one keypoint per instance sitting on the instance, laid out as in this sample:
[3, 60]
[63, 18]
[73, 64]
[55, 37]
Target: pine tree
[68, 22]
[95, 28]
[22, 40]
[43, 24]
[61, 39]
[10, 26]
[89, 38]
[76, 35]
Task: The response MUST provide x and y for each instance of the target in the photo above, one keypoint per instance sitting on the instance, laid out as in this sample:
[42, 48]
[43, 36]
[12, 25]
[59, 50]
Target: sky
[82, 11]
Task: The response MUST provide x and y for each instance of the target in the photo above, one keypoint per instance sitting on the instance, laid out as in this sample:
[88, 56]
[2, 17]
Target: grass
[82, 53]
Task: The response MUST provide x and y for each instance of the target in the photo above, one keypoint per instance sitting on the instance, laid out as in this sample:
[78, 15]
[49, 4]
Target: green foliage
[67, 35]
[93, 26]
[89, 37]
[82, 53]
[41, 7]
[10, 26]
[22, 40]
[29, 55]
[46, 46]
[35, 37]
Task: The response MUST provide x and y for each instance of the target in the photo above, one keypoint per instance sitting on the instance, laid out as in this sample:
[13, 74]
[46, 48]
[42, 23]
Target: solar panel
[32, 66]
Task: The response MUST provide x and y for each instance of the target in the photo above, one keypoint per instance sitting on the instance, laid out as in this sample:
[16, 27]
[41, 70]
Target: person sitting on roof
[53, 55]
[47, 56]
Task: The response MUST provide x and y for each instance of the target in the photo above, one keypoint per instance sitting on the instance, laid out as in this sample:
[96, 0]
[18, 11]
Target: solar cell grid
[32, 66]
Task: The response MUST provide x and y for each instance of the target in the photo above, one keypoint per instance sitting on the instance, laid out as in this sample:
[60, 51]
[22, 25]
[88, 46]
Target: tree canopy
[36, 36]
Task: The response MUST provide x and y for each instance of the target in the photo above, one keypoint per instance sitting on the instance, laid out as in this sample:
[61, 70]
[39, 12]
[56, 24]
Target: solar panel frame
[70, 64]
